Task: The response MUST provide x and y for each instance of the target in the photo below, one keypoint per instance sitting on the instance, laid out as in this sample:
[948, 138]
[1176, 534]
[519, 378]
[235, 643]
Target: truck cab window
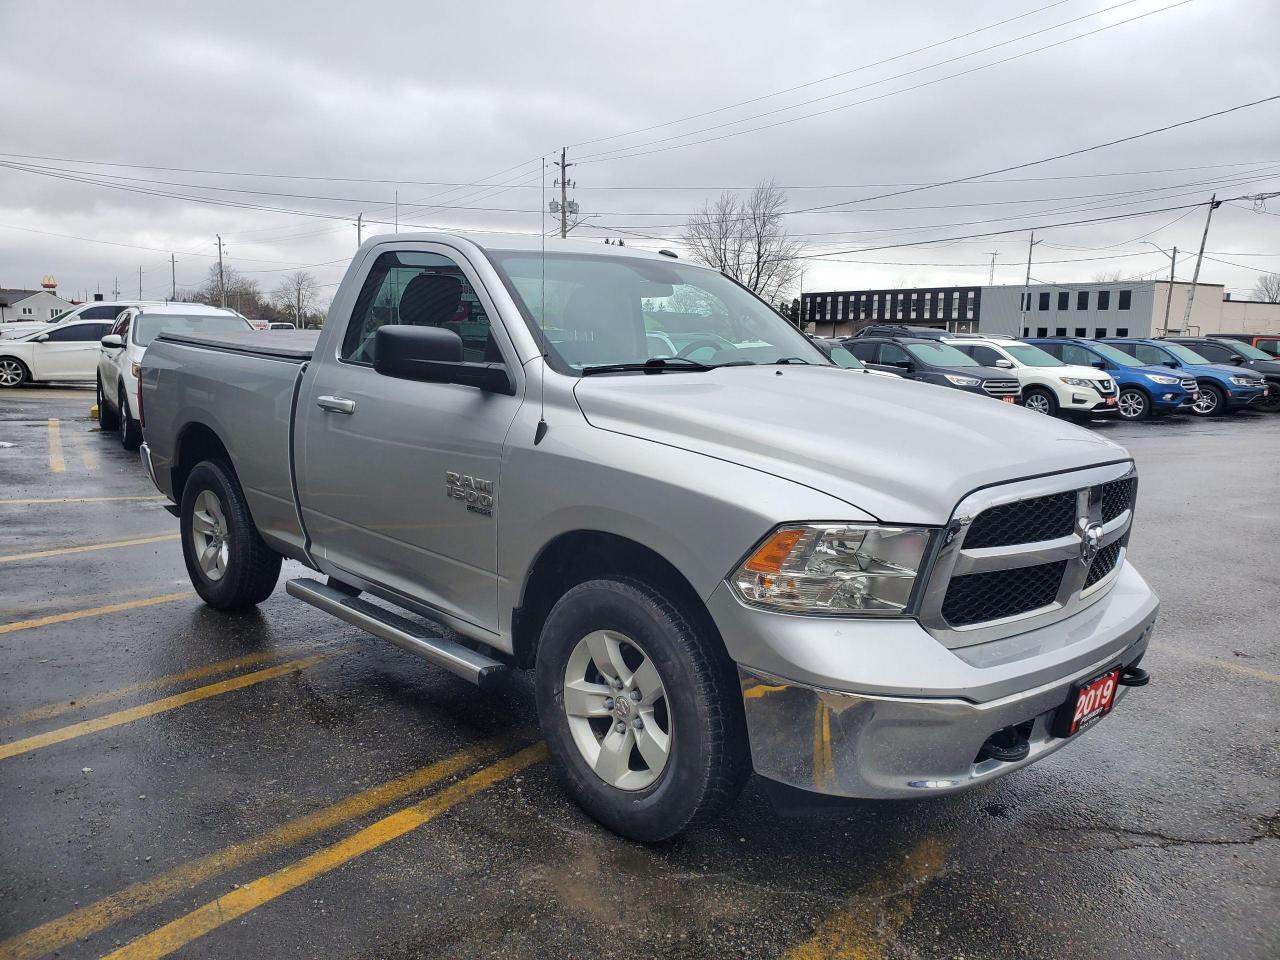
[419, 289]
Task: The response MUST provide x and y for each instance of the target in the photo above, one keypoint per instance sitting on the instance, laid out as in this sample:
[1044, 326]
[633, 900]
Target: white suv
[122, 350]
[1048, 385]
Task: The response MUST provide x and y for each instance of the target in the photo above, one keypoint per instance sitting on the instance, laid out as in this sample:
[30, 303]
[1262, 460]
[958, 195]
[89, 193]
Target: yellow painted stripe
[17, 625]
[49, 711]
[56, 463]
[132, 900]
[178, 933]
[864, 929]
[57, 500]
[1239, 668]
[86, 548]
[63, 734]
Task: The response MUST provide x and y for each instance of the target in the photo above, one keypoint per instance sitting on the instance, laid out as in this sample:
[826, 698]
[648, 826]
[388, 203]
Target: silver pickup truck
[717, 550]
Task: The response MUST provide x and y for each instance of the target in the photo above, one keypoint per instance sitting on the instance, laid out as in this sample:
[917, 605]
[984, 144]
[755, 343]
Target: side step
[454, 657]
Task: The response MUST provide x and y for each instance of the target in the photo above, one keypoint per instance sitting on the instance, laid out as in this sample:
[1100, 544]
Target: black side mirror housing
[434, 355]
[1237, 360]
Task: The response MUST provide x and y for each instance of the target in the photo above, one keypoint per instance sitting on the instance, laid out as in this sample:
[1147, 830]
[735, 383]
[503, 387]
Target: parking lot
[276, 784]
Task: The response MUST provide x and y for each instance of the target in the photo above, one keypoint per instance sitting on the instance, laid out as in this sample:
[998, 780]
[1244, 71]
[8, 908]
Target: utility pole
[359, 230]
[1026, 286]
[563, 182]
[991, 278]
[222, 279]
[173, 277]
[1168, 300]
[1195, 276]
[115, 289]
[139, 283]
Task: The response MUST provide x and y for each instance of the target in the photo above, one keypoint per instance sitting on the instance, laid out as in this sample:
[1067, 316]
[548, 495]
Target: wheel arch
[195, 442]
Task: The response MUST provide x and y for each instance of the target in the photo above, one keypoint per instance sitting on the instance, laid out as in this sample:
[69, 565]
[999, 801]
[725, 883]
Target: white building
[31, 305]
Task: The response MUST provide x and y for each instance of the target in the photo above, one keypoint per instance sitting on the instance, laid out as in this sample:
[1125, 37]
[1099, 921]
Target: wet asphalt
[207, 822]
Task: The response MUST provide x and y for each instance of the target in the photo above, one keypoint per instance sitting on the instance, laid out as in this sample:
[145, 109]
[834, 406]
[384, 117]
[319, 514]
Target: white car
[121, 350]
[95, 310]
[66, 350]
[1049, 386]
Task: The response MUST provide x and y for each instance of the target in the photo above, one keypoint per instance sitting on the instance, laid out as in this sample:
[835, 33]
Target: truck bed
[296, 346]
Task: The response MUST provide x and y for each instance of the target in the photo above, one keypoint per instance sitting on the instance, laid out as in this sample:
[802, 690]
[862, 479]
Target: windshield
[148, 326]
[1118, 357]
[940, 355]
[1031, 356]
[1184, 354]
[595, 311]
[1252, 353]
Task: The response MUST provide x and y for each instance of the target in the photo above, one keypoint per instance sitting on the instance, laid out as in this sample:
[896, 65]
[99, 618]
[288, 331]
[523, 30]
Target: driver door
[69, 353]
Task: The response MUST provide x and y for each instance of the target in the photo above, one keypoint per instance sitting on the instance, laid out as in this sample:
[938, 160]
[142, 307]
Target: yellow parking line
[49, 711]
[38, 502]
[1238, 668]
[63, 734]
[178, 933]
[137, 897]
[17, 625]
[86, 548]
[56, 463]
[863, 929]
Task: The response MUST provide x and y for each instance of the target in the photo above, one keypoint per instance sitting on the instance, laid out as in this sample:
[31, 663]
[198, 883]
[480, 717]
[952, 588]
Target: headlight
[136, 370]
[1079, 382]
[834, 569]
[1243, 381]
[962, 381]
[1158, 378]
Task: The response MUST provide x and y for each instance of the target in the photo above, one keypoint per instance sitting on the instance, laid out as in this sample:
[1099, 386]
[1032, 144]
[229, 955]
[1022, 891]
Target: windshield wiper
[652, 365]
[791, 360]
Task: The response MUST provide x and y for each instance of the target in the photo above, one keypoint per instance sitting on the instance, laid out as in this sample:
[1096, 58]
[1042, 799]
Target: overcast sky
[420, 96]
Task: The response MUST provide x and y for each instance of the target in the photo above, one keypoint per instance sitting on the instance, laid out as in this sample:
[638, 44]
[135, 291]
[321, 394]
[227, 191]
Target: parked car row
[1132, 378]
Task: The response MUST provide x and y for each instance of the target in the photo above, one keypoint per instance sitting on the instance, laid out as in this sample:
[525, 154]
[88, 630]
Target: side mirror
[1172, 363]
[113, 341]
[40, 339]
[906, 365]
[1237, 360]
[1004, 364]
[434, 355]
[1099, 364]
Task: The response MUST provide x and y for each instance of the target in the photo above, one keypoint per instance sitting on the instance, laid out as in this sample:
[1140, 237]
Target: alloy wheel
[1037, 402]
[1132, 405]
[11, 373]
[209, 535]
[1207, 403]
[616, 705]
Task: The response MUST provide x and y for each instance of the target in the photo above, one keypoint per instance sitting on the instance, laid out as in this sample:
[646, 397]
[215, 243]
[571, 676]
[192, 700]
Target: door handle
[336, 405]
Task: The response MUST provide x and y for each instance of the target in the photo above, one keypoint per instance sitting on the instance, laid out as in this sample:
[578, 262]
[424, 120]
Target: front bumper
[910, 719]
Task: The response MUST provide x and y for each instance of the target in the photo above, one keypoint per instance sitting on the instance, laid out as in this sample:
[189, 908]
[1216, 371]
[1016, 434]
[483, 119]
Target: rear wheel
[13, 372]
[228, 563]
[640, 709]
[130, 429]
[1040, 401]
[1212, 402]
[1133, 404]
[108, 419]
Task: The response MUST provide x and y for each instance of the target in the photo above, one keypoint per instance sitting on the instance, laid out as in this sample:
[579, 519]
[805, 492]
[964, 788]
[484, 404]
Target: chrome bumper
[144, 452]
[878, 746]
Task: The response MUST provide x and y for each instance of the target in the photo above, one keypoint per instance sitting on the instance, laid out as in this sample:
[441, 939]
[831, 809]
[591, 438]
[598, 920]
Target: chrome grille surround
[954, 560]
[1002, 388]
[1189, 384]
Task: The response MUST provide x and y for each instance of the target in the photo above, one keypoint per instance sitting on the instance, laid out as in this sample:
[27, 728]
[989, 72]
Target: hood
[902, 451]
[1162, 371]
[1073, 370]
[1270, 368]
[1220, 369]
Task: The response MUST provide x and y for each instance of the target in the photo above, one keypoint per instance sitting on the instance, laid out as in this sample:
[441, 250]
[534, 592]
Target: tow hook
[1134, 677]
[1008, 745]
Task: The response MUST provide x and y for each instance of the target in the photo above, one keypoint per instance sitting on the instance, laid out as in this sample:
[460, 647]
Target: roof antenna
[541, 430]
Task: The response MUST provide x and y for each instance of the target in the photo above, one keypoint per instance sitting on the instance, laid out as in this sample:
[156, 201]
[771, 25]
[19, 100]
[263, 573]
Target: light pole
[1173, 267]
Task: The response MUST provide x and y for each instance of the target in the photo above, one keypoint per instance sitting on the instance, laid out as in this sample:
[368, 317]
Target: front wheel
[1133, 405]
[13, 372]
[228, 563]
[1211, 403]
[640, 709]
[1040, 401]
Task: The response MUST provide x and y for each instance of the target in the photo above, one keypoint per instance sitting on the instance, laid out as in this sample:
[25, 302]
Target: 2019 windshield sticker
[478, 494]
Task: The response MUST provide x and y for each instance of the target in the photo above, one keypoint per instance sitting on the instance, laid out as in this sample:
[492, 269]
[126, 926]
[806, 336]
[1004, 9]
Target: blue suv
[1144, 391]
[1223, 389]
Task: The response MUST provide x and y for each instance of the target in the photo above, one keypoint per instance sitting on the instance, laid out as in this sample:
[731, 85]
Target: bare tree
[1267, 289]
[747, 239]
[1114, 276]
[296, 296]
[243, 294]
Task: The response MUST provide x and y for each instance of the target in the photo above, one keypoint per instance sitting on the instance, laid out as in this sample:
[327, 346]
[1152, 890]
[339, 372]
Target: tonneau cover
[294, 345]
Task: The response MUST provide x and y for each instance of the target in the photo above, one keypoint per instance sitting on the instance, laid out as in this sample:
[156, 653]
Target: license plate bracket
[1089, 701]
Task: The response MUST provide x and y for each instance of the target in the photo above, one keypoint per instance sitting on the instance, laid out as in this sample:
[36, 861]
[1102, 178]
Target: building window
[1126, 296]
[1099, 332]
[1104, 299]
[915, 305]
[1064, 300]
[968, 305]
[1026, 331]
[1122, 331]
[1081, 332]
[27, 311]
[53, 312]
[1060, 332]
[1044, 301]
[1042, 331]
[1082, 300]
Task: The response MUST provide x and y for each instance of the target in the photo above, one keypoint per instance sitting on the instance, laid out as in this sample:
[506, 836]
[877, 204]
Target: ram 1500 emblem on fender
[477, 494]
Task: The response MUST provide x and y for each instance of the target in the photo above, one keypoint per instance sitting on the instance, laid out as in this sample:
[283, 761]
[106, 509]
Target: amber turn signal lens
[770, 557]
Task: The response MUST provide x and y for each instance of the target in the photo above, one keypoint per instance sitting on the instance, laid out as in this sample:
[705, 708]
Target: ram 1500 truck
[745, 558]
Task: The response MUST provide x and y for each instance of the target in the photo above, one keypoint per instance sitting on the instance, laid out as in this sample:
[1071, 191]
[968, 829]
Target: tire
[1212, 402]
[1272, 403]
[1133, 404]
[130, 429]
[1040, 401]
[699, 710]
[244, 570]
[108, 419]
[13, 372]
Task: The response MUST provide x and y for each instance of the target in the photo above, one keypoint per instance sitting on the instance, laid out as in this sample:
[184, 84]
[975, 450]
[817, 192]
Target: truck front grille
[979, 597]
[1117, 497]
[1103, 563]
[1001, 388]
[1024, 521]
